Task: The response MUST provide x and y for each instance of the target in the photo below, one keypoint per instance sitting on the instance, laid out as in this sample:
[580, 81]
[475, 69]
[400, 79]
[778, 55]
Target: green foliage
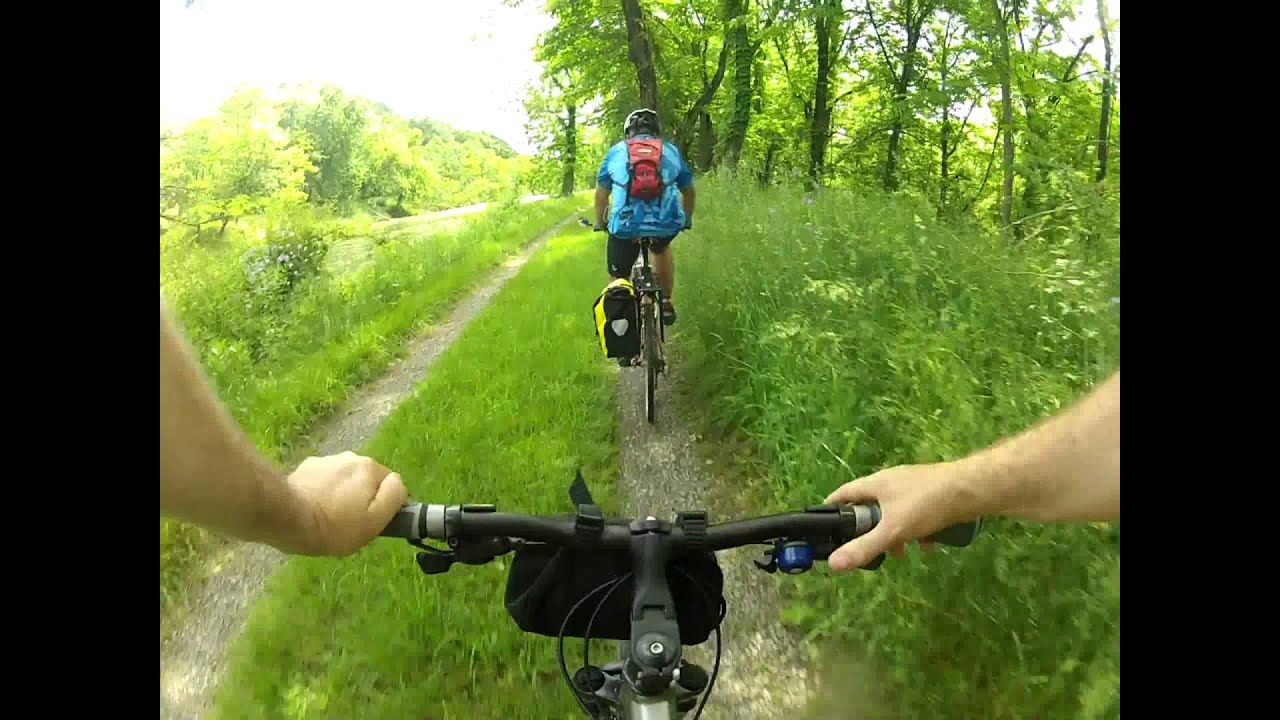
[507, 415]
[902, 76]
[283, 340]
[230, 166]
[332, 130]
[253, 198]
[433, 128]
[322, 147]
[845, 333]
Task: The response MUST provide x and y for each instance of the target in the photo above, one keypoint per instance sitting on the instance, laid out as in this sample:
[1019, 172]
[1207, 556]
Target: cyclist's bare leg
[664, 267]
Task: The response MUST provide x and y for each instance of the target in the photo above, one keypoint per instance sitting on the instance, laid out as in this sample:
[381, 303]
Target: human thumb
[389, 498]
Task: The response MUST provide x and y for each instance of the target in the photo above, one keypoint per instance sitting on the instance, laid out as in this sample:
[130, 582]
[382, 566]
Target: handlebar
[598, 228]
[823, 527]
[653, 666]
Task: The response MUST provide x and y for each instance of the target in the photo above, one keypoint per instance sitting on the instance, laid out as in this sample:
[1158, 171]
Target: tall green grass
[842, 334]
[508, 413]
[281, 356]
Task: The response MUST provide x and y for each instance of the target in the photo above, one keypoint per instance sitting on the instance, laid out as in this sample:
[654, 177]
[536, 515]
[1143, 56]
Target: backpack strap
[631, 170]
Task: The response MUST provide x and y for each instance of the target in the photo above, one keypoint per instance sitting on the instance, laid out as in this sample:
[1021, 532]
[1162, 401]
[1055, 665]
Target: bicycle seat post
[646, 283]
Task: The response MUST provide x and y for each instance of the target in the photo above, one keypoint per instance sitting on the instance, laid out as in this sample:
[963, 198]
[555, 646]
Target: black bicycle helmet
[642, 120]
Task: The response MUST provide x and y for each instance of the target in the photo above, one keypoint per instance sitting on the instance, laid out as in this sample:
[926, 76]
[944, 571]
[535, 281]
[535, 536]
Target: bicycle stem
[655, 634]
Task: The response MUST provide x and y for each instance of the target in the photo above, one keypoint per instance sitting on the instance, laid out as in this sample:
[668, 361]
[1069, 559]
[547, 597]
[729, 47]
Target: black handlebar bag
[546, 582]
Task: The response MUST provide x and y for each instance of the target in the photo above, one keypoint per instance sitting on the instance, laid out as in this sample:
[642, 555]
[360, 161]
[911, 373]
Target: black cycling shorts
[622, 254]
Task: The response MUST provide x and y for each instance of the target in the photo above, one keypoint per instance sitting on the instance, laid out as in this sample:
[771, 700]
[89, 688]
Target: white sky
[466, 62]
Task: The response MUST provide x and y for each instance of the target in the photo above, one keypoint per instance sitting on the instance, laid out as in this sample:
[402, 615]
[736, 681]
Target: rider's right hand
[915, 502]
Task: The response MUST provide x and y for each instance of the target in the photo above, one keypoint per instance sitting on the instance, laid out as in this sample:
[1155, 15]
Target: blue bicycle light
[795, 557]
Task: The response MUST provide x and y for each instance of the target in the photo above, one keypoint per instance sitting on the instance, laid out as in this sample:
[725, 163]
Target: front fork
[609, 695]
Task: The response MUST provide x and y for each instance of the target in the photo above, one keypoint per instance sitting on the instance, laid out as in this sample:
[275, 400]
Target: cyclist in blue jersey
[644, 189]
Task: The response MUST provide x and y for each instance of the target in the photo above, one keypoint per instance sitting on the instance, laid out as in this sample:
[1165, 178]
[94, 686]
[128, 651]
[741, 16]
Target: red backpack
[645, 166]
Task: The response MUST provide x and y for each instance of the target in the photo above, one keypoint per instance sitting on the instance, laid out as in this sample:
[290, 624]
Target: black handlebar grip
[961, 535]
[405, 523]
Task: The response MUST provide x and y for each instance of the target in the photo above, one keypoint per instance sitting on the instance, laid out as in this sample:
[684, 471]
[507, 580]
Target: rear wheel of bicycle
[650, 324]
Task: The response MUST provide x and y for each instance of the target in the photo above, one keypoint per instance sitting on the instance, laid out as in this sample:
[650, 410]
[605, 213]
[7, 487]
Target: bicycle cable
[715, 667]
[560, 641]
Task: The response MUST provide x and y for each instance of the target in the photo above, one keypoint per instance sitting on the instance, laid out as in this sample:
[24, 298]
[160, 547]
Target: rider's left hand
[343, 502]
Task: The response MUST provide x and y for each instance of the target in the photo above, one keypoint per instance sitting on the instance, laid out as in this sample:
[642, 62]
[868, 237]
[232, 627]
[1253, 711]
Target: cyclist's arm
[684, 181]
[604, 187]
[1065, 468]
[210, 474]
[687, 198]
[602, 205]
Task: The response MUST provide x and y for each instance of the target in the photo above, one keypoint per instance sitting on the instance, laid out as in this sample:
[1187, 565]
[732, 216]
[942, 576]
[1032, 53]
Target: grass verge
[278, 371]
[520, 401]
[839, 335]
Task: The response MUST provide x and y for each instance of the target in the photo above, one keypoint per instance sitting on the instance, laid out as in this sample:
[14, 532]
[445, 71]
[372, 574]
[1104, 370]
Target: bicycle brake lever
[435, 562]
[480, 552]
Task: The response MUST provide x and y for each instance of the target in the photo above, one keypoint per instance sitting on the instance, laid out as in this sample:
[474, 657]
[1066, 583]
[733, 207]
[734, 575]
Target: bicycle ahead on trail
[659, 584]
[628, 322]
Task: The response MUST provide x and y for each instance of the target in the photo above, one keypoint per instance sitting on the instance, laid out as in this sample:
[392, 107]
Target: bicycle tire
[650, 323]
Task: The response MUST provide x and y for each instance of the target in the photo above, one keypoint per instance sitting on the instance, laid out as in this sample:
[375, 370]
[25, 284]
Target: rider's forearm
[602, 205]
[210, 473]
[687, 197]
[1065, 468]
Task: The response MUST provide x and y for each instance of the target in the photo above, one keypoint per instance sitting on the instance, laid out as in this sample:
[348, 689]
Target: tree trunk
[1104, 123]
[570, 149]
[766, 177]
[945, 175]
[689, 125]
[706, 142]
[1006, 114]
[820, 127]
[640, 50]
[944, 71]
[1036, 137]
[900, 95]
[743, 55]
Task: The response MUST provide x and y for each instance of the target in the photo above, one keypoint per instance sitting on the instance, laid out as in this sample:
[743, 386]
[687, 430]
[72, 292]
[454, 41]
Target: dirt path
[192, 657]
[763, 673]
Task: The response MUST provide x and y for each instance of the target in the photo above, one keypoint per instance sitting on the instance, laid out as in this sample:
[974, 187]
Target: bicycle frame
[650, 293]
[646, 282]
[642, 277]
